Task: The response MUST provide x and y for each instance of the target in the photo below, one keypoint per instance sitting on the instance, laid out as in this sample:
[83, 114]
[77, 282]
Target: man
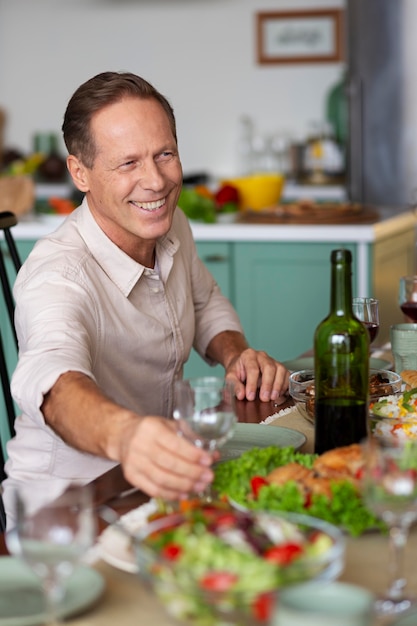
[109, 306]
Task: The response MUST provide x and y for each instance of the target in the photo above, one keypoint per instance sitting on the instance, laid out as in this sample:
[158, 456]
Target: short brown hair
[95, 94]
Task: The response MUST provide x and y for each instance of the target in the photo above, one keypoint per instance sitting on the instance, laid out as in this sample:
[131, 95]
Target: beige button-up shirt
[83, 305]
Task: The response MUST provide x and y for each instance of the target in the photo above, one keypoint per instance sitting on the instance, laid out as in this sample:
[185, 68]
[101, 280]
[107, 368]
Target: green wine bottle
[341, 364]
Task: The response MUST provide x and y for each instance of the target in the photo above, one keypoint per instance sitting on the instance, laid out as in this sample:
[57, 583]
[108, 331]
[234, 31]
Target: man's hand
[249, 369]
[161, 463]
[254, 369]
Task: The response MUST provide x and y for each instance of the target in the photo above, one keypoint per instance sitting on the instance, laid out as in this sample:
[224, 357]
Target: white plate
[307, 363]
[21, 600]
[114, 546]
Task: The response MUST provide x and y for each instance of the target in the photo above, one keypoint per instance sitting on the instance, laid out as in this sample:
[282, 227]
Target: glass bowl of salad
[301, 388]
[216, 565]
[395, 416]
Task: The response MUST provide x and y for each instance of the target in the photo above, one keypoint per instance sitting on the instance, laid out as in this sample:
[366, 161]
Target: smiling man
[109, 306]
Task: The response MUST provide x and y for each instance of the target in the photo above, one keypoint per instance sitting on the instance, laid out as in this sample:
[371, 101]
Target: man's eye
[127, 165]
[164, 156]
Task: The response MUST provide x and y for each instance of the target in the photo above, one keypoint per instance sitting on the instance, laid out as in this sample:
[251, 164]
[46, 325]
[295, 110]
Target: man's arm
[153, 456]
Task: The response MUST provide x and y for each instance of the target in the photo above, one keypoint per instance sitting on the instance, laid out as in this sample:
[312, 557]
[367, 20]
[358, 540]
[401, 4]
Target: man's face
[134, 184]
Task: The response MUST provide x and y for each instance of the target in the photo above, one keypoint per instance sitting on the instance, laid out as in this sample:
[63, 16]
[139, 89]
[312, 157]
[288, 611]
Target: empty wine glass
[204, 409]
[390, 491]
[407, 298]
[367, 311]
[52, 539]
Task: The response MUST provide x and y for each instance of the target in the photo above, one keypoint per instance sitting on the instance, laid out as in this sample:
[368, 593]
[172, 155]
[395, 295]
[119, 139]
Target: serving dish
[247, 436]
[214, 565]
[246, 483]
[301, 387]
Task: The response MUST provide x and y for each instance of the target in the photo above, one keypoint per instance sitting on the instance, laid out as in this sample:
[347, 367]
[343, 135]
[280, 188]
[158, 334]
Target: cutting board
[312, 213]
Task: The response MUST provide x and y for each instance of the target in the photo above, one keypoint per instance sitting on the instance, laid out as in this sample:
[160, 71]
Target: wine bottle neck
[341, 288]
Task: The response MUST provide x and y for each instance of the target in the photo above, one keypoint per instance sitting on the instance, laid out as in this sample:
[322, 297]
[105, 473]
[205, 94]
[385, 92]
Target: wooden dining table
[126, 600]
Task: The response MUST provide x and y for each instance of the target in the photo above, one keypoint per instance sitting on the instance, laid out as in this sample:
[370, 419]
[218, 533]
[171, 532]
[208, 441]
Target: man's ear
[78, 173]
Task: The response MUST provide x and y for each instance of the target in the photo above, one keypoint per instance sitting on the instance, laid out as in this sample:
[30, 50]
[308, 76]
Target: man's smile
[149, 206]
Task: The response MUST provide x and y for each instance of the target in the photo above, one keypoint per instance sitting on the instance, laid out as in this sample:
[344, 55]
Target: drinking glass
[204, 409]
[407, 298]
[390, 491]
[367, 311]
[52, 539]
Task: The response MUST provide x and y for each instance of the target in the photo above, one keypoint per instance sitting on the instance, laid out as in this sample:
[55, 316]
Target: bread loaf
[409, 378]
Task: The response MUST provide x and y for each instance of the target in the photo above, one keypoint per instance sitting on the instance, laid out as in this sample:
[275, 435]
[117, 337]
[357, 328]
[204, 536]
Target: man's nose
[151, 176]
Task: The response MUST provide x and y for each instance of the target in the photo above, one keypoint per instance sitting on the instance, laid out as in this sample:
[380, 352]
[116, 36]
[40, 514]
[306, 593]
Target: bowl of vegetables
[216, 565]
[301, 387]
[395, 416]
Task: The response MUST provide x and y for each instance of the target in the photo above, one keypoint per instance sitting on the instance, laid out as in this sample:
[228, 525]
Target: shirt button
[155, 290]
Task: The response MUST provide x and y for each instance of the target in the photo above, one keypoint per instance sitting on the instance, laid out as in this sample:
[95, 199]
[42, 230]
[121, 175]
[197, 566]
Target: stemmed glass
[407, 298]
[390, 491]
[204, 409]
[367, 311]
[52, 538]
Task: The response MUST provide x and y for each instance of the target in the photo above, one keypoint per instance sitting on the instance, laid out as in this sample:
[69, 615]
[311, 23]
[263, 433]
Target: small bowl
[301, 388]
[195, 587]
[390, 419]
[258, 191]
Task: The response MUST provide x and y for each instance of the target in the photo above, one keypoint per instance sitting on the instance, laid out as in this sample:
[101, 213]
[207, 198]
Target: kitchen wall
[199, 53]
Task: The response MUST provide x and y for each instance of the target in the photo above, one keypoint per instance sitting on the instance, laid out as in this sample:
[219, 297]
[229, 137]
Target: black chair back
[7, 221]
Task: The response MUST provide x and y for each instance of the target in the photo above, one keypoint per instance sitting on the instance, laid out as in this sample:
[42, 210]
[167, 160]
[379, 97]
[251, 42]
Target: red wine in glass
[366, 310]
[410, 310]
[372, 328]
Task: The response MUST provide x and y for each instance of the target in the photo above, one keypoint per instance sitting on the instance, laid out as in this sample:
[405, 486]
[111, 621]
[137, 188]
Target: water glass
[404, 346]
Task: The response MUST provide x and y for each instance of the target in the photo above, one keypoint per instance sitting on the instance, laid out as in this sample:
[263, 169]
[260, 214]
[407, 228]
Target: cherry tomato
[262, 607]
[256, 483]
[284, 553]
[172, 551]
[218, 581]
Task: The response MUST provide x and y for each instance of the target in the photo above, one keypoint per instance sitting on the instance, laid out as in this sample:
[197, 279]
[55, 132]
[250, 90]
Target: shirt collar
[122, 270]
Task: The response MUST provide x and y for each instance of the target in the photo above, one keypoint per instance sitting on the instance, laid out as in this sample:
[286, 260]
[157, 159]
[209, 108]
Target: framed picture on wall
[314, 36]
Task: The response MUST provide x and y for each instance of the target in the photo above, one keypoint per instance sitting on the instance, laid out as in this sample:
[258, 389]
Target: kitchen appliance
[382, 97]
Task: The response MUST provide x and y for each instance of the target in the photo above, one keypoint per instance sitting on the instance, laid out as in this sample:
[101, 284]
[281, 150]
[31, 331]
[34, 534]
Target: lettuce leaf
[345, 509]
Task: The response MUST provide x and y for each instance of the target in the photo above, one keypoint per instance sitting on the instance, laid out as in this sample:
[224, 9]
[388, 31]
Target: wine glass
[204, 409]
[408, 296]
[52, 538]
[367, 311]
[390, 490]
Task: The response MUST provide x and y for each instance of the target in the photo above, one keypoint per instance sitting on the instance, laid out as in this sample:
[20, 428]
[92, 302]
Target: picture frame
[311, 36]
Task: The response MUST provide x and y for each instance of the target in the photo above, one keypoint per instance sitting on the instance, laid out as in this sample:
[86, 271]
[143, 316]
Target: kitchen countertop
[32, 227]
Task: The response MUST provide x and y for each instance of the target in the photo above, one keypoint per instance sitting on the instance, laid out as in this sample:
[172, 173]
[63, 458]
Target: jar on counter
[53, 169]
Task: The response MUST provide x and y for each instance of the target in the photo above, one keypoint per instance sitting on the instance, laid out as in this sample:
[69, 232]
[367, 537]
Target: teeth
[150, 206]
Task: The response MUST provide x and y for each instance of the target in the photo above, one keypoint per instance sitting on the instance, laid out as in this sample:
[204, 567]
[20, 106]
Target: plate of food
[213, 564]
[395, 416]
[326, 487]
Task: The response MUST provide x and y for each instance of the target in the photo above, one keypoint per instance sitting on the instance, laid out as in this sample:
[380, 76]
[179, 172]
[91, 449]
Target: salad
[243, 481]
[395, 415]
[214, 560]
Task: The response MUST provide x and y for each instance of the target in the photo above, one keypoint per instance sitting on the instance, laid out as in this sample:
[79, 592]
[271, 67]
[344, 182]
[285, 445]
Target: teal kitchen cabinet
[218, 257]
[282, 291]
